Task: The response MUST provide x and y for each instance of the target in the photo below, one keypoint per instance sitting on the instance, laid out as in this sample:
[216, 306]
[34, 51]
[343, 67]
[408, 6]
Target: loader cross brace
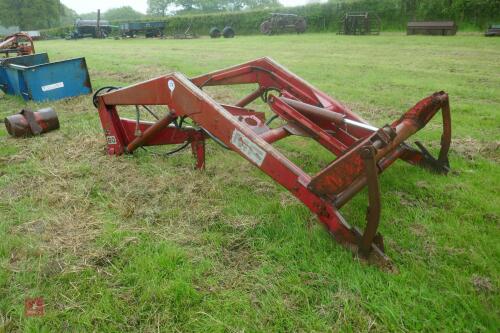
[360, 151]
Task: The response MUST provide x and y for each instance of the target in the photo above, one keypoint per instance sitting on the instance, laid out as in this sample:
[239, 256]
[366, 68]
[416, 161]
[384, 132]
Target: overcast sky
[86, 6]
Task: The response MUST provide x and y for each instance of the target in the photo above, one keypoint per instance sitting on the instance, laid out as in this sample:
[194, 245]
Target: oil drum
[28, 123]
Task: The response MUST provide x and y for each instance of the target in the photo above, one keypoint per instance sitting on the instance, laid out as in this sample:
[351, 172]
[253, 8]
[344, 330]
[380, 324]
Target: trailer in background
[149, 29]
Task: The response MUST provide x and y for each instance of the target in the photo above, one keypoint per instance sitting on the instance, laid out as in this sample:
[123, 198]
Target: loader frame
[361, 151]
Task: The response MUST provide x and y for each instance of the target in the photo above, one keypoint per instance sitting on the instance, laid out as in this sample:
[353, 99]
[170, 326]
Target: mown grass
[144, 243]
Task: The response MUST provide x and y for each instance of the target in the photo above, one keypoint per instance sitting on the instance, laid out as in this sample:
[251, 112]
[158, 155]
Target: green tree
[260, 4]
[122, 13]
[195, 5]
[88, 16]
[210, 6]
[68, 16]
[30, 14]
[159, 7]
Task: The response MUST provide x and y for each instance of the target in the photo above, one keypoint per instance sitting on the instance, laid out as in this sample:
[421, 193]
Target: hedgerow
[320, 17]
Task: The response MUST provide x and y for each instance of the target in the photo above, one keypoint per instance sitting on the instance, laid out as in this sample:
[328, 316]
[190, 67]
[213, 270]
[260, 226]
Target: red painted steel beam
[187, 100]
[275, 134]
[250, 98]
[151, 132]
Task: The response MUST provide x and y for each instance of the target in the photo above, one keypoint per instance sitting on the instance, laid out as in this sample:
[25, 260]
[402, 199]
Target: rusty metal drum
[29, 123]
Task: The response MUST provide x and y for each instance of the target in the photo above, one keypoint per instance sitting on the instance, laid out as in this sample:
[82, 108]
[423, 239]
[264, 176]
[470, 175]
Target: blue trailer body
[40, 81]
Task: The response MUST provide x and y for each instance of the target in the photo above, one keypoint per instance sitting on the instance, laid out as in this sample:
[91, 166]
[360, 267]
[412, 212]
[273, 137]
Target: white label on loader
[171, 85]
[54, 86]
[248, 148]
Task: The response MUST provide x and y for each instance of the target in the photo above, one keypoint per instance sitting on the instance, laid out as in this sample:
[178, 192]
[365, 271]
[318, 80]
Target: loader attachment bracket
[432, 163]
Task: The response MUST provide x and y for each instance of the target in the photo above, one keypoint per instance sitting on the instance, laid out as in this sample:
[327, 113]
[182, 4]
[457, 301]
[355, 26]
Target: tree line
[30, 14]
[179, 7]
[475, 12]
[42, 14]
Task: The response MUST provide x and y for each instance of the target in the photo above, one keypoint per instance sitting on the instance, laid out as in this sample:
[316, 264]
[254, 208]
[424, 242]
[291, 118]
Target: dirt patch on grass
[482, 284]
[418, 229]
[6, 324]
[240, 256]
[492, 218]
[406, 199]
[53, 192]
[13, 159]
[470, 148]
[69, 231]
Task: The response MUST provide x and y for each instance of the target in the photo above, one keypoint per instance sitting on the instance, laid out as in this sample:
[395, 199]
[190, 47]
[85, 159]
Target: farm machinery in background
[360, 23]
[227, 32]
[153, 29]
[18, 44]
[493, 30]
[91, 28]
[186, 34]
[279, 23]
[149, 29]
[360, 151]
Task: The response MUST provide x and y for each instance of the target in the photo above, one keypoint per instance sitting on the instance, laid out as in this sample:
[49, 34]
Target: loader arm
[360, 151]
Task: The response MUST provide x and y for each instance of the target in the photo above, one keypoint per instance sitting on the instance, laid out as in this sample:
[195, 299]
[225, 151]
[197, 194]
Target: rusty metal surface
[150, 132]
[282, 22]
[28, 123]
[360, 23]
[19, 44]
[360, 151]
[374, 205]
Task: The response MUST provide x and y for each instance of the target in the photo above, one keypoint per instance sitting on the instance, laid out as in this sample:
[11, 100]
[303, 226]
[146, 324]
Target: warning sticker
[248, 148]
[54, 86]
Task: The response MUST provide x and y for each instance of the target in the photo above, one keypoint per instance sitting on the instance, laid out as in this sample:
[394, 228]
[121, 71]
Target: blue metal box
[34, 78]
[9, 82]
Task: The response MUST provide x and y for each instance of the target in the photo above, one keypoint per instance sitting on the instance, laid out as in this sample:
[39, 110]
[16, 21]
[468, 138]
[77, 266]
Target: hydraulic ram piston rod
[338, 119]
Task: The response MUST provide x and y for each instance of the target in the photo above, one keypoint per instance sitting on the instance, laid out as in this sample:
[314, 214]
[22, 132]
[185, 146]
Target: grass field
[144, 243]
